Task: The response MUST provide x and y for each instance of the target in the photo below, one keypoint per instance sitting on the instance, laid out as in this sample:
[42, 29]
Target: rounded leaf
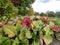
[48, 39]
[28, 34]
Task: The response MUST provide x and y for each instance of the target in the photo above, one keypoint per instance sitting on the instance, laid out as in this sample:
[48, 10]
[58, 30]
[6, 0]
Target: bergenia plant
[27, 23]
[29, 32]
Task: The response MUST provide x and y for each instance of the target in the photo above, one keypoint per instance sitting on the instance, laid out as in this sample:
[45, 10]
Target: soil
[55, 42]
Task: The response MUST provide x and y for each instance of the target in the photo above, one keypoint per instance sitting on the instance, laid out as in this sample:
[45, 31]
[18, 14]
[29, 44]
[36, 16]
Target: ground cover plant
[28, 31]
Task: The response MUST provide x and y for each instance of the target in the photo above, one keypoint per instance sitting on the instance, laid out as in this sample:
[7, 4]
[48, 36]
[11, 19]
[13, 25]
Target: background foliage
[10, 8]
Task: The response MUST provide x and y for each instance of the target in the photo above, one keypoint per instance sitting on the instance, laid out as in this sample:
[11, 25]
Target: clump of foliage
[28, 32]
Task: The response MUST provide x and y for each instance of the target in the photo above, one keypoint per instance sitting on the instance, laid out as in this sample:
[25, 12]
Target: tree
[42, 14]
[31, 12]
[50, 14]
[11, 8]
[7, 9]
[57, 14]
[23, 5]
[37, 13]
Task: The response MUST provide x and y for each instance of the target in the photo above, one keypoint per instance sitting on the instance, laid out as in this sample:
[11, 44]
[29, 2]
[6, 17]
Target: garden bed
[29, 31]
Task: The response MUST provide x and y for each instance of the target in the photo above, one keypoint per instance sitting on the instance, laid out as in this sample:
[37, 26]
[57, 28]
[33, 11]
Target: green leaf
[23, 30]
[10, 30]
[1, 33]
[2, 40]
[22, 36]
[48, 39]
[16, 41]
[7, 42]
[3, 4]
[18, 26]
[57, 35]
[47, 29]
[34, 34]
[1, 36]
[36, 25]
[28, 34]
[50, 32]
[36, 42]
[41, 33]
[51, 24]
[25, 42]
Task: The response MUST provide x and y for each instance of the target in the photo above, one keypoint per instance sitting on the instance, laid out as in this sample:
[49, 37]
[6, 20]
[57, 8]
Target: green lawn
[55, 20]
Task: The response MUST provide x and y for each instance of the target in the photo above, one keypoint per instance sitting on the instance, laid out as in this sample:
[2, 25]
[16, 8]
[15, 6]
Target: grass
[55, 20]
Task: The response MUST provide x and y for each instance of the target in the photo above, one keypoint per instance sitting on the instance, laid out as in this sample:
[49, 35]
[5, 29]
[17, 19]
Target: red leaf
[27, 23]
[47, 21]
[55, 28]
[15, 1]
[23, 24]
[41, 40]
[27, 20]
[1, 25]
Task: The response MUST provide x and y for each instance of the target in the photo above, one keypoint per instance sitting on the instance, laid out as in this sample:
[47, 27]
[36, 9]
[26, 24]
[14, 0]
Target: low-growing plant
[28, 32]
